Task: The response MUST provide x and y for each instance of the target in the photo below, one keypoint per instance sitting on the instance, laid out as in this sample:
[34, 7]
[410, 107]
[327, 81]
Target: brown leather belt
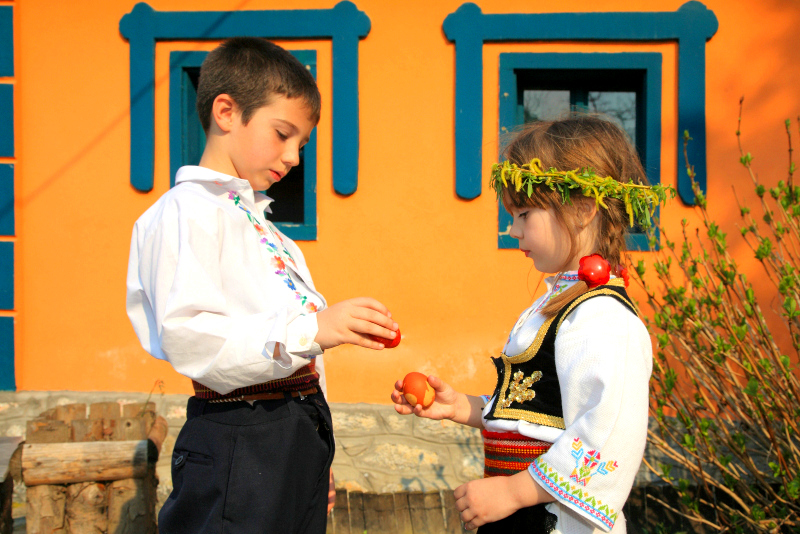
[268, 396]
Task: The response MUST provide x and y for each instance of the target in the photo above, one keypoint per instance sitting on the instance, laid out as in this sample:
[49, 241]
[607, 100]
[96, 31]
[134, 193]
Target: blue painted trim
[183, 119]
[6, 199]
[184, 127]
[6, 275]
[6, 41]
[6, 120]
[344, 24]
[691, 26]
[7, 381]
[510, 115]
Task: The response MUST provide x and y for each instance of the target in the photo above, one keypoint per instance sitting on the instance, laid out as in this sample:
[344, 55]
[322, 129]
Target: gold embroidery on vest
[502, 410]
[521, 390]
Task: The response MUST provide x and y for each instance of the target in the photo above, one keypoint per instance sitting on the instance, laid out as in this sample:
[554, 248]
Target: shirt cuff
[300, 334]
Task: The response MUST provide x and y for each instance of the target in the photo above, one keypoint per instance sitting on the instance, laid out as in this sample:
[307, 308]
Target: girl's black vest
[527, 384]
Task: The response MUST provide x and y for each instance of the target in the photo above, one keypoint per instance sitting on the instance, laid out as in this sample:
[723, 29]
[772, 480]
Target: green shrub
[724, 392]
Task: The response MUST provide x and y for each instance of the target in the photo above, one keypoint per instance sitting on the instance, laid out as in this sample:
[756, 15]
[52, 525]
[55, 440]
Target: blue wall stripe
[344, 24]
[691, 26]
[6, 275]
[6, 199]
[7, 381]
[6, 120]
[6, 41]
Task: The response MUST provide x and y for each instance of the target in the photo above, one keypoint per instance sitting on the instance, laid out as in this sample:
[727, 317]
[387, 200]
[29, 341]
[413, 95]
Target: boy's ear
[223, 112]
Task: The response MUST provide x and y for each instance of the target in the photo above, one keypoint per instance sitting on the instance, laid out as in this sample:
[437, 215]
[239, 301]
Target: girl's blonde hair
[576, 142]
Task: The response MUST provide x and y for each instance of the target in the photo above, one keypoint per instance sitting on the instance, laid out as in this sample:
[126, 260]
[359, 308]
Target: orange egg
[416, 390]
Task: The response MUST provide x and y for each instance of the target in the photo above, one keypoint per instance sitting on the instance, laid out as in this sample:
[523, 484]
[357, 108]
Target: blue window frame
[295, 207]
[579, 75]
[343, 24]
[468, 27]
[7, 225]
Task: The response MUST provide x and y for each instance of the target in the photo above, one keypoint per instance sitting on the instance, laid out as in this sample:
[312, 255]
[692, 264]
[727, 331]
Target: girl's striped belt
[508, 453]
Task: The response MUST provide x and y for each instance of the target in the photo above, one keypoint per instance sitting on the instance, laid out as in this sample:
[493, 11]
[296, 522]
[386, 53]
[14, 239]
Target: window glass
[544, 105]
[618, 105]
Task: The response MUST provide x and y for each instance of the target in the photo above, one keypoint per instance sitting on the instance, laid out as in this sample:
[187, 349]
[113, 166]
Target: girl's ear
[223, 112]
[587, 211]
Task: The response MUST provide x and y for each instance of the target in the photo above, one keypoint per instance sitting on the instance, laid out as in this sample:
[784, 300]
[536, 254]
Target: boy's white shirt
[203, 293]
[603, 360]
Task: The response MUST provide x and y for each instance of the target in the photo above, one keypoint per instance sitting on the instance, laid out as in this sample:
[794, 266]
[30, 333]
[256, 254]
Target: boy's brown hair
[578, 141]
[252, 71]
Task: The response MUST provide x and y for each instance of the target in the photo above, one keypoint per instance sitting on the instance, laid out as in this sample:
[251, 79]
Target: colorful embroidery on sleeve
[587, 464]
[280, 255]
[576, 495]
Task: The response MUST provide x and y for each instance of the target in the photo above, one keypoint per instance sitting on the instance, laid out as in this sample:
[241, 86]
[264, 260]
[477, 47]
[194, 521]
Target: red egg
[416, 390]
[388, 343]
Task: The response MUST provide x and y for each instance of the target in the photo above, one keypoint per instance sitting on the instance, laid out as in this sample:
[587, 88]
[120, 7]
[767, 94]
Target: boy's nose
[291, 157]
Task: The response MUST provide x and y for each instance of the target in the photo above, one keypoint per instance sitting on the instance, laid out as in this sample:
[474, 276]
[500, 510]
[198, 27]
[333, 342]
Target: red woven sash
[302, 379]
[508, 453]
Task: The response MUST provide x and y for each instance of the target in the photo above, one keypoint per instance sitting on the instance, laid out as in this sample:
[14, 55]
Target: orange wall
[404, 237]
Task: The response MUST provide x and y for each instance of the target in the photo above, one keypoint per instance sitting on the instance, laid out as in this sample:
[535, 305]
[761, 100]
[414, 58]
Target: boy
[220, 293]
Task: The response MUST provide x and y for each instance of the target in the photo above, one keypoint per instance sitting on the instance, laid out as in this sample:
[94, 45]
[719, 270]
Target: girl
[565, 429]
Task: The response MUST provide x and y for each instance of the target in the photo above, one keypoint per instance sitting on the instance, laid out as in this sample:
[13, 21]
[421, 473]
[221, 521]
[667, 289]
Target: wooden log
[70, 412]
[452, 518]
[158, 432]
[86, 508]
[138, 409]
[132, 505]
[69, 463]
[356, 511]
[47, 431]
[142, 410]
[426, 512]
[45, 512]
[104, 410]
[341, 513]
[402, 513]
[6, 521]
[130, 428]
[109, 428]
[379, 513]
[87, 430]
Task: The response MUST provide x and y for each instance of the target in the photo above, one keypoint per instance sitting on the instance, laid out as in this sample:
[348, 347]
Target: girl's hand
[444, 407]
[352, 321]
[491, 499]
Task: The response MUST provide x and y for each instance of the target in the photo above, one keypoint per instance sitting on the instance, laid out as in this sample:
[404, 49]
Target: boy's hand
[331, 493]
[352, 321]
[446, 405]
[487, 500]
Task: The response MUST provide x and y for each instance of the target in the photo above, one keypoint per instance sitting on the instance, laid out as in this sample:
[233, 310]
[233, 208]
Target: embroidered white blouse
[603, 360]
[213, 286]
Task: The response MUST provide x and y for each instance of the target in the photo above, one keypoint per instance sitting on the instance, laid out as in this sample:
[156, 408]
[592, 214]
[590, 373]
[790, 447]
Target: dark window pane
[543, 105]
[619, 106]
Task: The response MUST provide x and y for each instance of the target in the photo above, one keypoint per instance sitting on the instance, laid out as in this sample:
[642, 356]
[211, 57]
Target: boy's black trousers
[239, 468]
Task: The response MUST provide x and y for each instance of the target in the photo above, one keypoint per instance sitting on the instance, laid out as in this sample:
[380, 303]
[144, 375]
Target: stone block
[396, 423]
[356, 420]
[445, 431]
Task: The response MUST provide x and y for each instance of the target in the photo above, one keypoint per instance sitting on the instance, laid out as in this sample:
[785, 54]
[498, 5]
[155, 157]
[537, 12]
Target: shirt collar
[565, 279]
[204, 175]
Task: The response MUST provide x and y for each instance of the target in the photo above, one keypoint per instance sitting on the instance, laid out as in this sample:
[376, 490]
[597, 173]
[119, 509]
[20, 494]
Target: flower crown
[640, 201]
